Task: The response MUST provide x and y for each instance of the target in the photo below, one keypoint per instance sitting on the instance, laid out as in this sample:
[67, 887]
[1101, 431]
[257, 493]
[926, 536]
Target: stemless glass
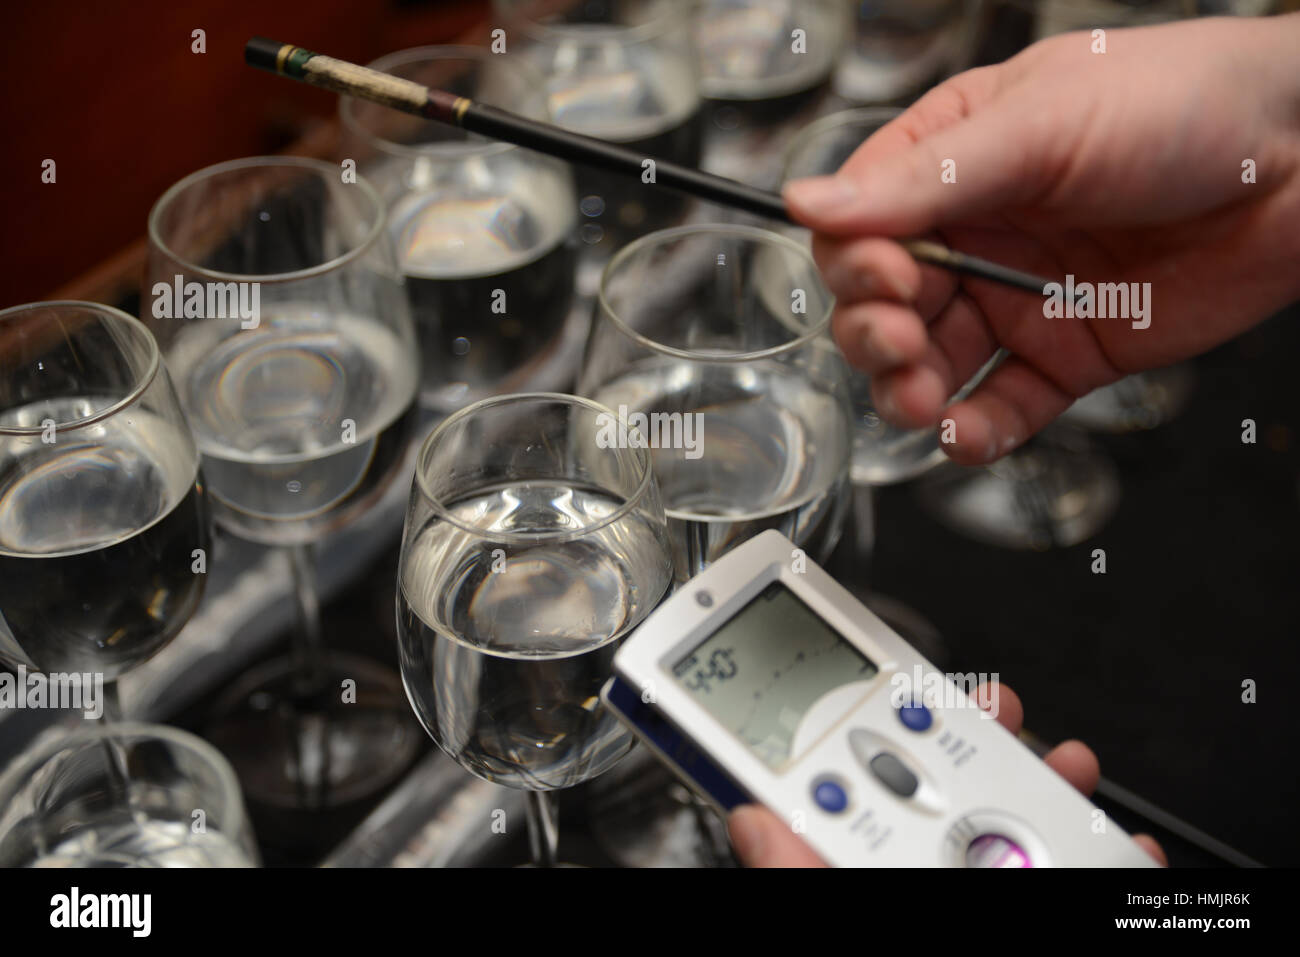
[535, 540]
[103, 520]
[484, 230]
[66, 804]
[276, 297]
[882, 453]
[620, 70]
[714, 340]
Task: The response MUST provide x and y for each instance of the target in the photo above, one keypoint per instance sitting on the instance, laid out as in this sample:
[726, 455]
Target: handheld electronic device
[764, 680]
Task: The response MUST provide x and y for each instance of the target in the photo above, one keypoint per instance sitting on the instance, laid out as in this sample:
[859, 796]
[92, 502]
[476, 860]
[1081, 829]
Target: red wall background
[113, 94]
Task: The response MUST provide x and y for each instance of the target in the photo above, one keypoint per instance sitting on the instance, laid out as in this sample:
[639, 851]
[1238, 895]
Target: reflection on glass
[532, 547]
[483, 230]
[882, 453]
[717, 338]
[103, 512]
[619, 70]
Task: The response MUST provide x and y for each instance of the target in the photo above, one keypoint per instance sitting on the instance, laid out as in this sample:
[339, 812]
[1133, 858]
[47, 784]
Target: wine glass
[65, 805]
[484, 230]
[882, 453]
[624, 71]
[716, 337]
[275, 294]
[104, 529]
[533, 544]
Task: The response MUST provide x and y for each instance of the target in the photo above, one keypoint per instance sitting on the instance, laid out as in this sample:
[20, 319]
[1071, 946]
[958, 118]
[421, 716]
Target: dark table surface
[1146, 663]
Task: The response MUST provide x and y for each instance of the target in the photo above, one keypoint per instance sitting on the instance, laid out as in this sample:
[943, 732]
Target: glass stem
[119, 780]
[862, 513]
[307, 642]
[111, 699]
[309, 714]
[543, 828]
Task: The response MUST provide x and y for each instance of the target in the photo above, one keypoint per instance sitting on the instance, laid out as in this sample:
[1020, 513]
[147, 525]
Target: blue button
[917, 717]
[830, 796]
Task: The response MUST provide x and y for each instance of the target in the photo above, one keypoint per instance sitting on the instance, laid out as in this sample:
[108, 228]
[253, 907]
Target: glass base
[303, 744]
[642, 816]
[1139, 402]
[1053, 493]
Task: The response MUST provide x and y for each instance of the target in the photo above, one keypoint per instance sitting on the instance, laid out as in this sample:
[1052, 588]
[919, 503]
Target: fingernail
[821, 194]
[746, 835]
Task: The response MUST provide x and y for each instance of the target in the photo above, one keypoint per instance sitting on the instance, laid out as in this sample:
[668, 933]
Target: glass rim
[141, 386]
[326, 170]
[642, 455]
[32, 759]
[755, 233]
[447, 151]
[636, 33]
[831, 121]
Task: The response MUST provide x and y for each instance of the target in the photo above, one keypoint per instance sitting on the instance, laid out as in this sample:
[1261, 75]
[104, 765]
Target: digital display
[762, 671]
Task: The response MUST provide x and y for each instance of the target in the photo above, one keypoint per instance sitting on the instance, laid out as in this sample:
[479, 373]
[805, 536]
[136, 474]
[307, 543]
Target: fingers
[1013, 403]
[959, 342]
[883, 299]
[1003, 703]
[970, 169]
[761, 839]
[1148, 844]
[893, 183]
[879, 336]
[1074, 761]
[867, 269]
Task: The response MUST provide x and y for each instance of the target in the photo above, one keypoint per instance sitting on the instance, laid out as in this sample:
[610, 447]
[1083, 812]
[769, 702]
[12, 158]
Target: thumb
[980, 164]
[762, 839]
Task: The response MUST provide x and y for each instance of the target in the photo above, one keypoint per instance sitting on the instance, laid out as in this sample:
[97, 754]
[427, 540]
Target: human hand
[761, 839]
[1117, 167]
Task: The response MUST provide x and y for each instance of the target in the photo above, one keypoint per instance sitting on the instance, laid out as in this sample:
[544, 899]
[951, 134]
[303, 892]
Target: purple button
[994, 850]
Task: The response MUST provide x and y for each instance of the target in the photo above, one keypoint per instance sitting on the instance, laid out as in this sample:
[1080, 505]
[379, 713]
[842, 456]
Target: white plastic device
[764, 680]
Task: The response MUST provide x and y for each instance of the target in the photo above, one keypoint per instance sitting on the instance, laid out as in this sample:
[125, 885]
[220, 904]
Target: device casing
[973, 778]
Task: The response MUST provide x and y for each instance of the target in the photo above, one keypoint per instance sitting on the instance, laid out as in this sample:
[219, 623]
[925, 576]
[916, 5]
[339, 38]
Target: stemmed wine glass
[104, 529]
[717, 338]
[275, 294]
[63, 804]
[620, 70]
[882, 453]
[534, 541]
[484, 230]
